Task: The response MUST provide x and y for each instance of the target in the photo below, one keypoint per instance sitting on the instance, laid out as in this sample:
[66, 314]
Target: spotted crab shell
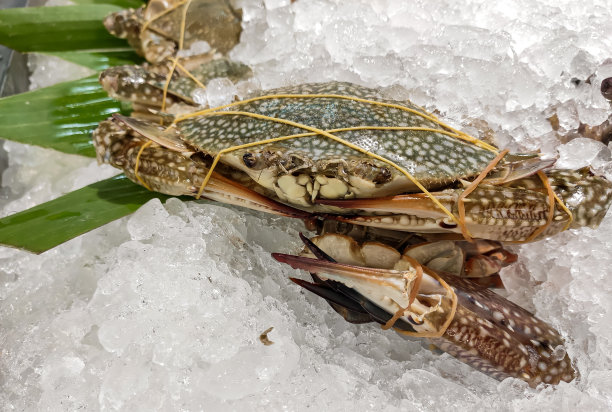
[428, 152]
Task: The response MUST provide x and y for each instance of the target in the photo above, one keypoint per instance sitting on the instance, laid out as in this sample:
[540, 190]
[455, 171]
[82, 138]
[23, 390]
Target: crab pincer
[177, 172]
[470, 322]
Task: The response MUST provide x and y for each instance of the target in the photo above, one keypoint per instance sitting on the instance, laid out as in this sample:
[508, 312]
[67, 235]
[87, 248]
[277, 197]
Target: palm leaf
[100, 60]
[63, 116]
[121, 3]
[65, 28]
[52, 223]
[60, 117]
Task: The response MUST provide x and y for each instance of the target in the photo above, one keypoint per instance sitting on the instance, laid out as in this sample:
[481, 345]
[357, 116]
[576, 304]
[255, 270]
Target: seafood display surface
[369, 238]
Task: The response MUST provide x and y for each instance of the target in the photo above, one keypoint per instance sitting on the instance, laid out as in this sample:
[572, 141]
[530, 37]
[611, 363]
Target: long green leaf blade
[60, 117]
[59, 28]
[52, 223]
[100, 60]
[121, 3]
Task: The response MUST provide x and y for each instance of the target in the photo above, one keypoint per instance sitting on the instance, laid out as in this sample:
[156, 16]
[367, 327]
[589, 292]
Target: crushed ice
[163, 310]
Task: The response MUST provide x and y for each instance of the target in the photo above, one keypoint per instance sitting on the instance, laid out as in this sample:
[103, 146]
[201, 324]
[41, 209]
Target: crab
[345, 150]
[159, 29]
[342, 153]
[373, 282]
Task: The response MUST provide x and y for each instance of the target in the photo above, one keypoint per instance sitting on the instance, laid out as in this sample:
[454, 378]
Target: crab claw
[505, 213]
[410, 213]
[381, 285]
[422, 303]
[480, 327]
[174, 172]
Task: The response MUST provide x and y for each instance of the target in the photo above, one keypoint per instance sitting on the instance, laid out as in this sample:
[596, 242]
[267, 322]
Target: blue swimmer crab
[341, 152]
[342, 148]
[159, 29]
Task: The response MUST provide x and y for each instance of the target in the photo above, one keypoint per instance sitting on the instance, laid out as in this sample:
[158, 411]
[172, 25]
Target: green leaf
[60, 117]
[121, 3]
[52, 223]
[100, 60]
[61, 28]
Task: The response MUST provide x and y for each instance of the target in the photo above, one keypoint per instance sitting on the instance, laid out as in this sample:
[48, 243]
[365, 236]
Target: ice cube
[582, 152]
[220, 91]
[196, 48]
[199, 96]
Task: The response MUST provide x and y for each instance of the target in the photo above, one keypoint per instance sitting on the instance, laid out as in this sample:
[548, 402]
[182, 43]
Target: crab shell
[155, 30]
[303, 169]
[310, 167]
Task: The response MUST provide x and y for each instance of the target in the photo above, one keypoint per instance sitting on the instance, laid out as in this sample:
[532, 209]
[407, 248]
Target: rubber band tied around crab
[401, 312]
[146, 24]
[174, 61]
[137, 165]
[441, 316]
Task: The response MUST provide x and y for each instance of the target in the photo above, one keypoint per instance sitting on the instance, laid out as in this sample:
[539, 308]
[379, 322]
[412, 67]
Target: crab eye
[249, 160]
[383, 176]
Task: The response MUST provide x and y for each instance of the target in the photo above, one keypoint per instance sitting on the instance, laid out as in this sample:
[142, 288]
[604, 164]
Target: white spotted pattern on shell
[431, 157]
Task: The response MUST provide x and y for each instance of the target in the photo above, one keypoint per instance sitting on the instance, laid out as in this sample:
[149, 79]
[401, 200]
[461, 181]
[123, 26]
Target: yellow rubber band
[166, 85]
[570, 215]
[175, 62]
[430, 114]
[461, 200]
[553, 198]
[348, 129]
[184, 70]
[413, 293]
[451, 315]
[137, 165]
[183, 21]
[551, 207]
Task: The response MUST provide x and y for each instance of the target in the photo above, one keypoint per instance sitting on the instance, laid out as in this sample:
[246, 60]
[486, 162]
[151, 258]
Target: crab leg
[176, 173]
[485, 331]
[492, 212]
[508, 340]
[516, 211]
